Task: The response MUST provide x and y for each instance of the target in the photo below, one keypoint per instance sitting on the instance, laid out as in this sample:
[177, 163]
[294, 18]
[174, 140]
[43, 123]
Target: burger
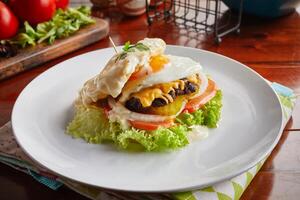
[146, 99]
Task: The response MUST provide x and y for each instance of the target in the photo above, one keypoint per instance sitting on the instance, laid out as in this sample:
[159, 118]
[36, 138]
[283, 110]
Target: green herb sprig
[131, 48]
[63, 24]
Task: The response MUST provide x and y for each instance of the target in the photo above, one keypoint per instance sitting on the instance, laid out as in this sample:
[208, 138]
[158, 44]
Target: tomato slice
[150, 126]
[106, 110]
[198, 102]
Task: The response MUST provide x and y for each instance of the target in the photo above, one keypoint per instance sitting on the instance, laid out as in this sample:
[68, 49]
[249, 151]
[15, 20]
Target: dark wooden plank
[270, 185]
[269, 47]
[260, 41]
[284, 157]
[41, 53]
[286, 74]
[279, 177]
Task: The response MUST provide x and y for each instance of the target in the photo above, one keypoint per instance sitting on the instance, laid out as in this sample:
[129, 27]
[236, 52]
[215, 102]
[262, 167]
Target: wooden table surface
[270, 47]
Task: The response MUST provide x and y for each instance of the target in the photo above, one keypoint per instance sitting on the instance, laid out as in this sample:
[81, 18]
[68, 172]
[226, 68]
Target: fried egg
[141, 67]
[176, 68]
[117, 71]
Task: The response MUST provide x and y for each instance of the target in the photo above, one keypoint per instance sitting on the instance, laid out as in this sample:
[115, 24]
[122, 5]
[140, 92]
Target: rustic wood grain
[269, 185]
[283, 157]
[280, 175]
[41, 53]
[271, 48]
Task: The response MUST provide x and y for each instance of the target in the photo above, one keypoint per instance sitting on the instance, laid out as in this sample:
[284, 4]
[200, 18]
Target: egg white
[116, 73]
[177, 68]
[112, 81]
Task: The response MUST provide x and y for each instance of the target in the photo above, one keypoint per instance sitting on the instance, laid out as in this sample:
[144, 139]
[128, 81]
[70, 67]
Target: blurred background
[215, 17]
[80, 2]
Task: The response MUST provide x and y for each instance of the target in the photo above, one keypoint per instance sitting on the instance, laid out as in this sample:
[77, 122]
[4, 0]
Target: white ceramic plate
[251, 126]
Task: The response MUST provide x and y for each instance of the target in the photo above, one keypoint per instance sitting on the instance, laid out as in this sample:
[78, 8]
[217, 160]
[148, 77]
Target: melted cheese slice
[177, 68]
[147, 96]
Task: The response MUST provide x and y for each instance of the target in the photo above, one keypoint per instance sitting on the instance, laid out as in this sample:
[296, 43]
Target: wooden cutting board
[41, 53]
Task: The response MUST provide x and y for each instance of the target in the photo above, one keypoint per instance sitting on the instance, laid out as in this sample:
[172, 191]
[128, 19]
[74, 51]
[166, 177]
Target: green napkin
[11, 154]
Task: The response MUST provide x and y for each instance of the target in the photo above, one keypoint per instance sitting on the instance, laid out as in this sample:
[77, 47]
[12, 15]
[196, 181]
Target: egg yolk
[158, 62]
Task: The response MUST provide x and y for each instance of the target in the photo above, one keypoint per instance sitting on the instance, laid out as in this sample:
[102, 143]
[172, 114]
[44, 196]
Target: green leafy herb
[126, 46]
[141, 47]
[63, 24]
[131, 48]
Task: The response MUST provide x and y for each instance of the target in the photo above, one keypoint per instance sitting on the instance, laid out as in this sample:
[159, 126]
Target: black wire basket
[201, 16]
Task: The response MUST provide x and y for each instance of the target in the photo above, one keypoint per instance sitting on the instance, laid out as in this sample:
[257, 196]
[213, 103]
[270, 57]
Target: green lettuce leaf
[212, 111]
[91, 124]
[208, 115]
[63, 24]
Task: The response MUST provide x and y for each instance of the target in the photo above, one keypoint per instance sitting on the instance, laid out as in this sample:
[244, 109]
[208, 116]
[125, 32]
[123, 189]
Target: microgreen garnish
[142, 47]
[126, 46]
[131, 48]
[63, 24]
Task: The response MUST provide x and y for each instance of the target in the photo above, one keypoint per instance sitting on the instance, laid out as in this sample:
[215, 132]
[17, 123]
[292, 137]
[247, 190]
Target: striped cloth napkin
[11, 154]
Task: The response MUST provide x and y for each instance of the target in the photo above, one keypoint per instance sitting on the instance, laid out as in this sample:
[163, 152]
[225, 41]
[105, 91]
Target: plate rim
[177, 189]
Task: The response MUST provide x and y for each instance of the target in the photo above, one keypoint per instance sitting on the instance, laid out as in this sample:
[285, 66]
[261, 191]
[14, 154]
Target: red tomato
[196, 103]
[33, 11]
[63, 4]
[9, 23]
[150, 126]
[106, 110]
